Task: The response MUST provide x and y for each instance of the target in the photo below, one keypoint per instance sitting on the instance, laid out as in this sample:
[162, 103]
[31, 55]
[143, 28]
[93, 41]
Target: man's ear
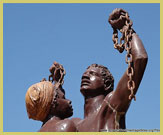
[107, 87]
[107, 84]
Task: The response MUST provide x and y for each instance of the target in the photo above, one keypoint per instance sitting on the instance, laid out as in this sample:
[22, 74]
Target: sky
[75, 35]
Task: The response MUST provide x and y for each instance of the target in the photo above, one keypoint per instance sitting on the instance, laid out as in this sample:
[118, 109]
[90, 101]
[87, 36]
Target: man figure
[105, 109]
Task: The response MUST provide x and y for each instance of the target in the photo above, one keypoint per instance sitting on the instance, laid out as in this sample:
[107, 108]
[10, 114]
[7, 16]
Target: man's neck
[92, 104]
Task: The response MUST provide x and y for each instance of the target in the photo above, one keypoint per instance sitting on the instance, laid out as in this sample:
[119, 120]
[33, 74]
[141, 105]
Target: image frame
[70, 1]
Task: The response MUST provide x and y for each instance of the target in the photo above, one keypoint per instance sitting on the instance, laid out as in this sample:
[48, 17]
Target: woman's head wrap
[38, 99]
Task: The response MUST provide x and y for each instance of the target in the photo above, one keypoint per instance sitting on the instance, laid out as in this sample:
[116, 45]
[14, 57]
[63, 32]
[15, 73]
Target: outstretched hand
[57, 72]
[117, 18]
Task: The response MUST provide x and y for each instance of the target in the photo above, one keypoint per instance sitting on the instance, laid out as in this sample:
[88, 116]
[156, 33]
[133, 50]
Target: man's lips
[85, 82]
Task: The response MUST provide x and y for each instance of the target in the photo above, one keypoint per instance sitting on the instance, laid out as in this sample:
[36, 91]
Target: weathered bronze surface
[50, 105]
[104, 107]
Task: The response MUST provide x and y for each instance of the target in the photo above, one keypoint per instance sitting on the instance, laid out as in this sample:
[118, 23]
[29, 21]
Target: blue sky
[75, 35]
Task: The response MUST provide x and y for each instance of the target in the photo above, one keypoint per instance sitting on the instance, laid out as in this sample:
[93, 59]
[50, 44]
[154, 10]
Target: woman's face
[63, 107]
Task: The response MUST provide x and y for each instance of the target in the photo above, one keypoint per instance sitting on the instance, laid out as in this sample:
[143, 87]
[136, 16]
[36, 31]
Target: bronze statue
[105, 109]
[46, 102]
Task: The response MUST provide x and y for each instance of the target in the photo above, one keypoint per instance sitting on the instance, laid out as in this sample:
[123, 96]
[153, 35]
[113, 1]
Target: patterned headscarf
[38, 99]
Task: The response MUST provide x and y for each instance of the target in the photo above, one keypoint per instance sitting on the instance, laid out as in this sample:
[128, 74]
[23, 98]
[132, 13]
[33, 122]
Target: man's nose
[85, 75]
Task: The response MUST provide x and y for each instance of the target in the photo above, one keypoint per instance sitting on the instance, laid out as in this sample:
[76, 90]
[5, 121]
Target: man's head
[96, 80]
[43, 99]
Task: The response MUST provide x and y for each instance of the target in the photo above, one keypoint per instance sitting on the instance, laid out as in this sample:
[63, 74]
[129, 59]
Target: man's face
[92, 82]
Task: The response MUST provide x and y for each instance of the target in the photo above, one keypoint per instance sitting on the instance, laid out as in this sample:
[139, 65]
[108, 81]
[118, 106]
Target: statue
[104, 108]
[46, 102]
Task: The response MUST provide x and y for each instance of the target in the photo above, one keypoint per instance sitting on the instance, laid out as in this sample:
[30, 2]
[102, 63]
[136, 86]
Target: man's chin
[86, 90]
[84, 87]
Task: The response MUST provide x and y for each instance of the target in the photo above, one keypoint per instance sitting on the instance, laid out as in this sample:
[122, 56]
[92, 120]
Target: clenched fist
[117, 18]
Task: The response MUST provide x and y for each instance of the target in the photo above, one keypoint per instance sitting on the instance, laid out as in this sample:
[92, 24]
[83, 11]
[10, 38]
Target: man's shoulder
[76, 120]
[108, 97]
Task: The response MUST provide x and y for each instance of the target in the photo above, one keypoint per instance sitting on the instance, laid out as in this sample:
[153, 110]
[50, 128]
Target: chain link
[62, 71]
[126, 38]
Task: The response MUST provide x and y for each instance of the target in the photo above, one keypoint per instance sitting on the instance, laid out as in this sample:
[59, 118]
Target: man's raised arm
[137, 60]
